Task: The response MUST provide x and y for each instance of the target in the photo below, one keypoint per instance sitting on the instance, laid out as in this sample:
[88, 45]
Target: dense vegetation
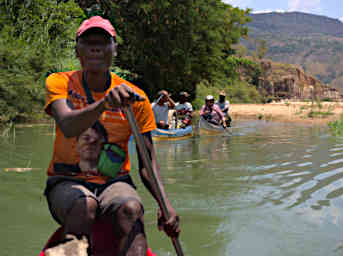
[174, 45]
[35, 37]
[311, 41]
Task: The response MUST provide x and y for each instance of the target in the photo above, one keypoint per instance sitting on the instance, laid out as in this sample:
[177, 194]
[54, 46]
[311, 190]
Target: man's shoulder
[65, 74]
[215, 106]
[62, 79]
[188, 104]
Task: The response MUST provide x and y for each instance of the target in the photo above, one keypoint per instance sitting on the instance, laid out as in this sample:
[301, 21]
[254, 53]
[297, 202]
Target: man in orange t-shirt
[78, 100]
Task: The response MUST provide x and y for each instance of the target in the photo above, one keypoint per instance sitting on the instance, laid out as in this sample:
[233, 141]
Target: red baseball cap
[96, 22]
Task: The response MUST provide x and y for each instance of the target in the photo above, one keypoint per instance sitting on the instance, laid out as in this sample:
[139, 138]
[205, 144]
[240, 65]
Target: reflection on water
[269, 189]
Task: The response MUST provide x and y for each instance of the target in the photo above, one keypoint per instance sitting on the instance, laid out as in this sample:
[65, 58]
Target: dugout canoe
[207, 128]
[102, 241]
[172, 134]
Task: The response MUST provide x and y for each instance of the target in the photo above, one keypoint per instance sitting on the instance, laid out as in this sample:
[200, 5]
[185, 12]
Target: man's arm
[221, 115]
[190, 107]
[202, 110]
[73, 122]
[171, 226]
[226, 107]
[171, 103]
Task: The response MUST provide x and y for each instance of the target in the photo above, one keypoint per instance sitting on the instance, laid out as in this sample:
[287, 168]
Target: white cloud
[240, 3]
[293, 4]
[341, 19]
[269, 11]
[235, 2]
[304, 5]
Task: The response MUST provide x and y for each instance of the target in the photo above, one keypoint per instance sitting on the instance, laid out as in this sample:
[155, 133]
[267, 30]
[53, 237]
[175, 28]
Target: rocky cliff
[313, 42]
[287, 81]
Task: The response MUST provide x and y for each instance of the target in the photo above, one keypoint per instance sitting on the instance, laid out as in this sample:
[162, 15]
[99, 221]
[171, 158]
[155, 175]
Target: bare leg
[130, 229]
[81, 218]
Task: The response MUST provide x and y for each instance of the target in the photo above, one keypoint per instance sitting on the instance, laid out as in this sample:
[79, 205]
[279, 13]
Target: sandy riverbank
[301, 112]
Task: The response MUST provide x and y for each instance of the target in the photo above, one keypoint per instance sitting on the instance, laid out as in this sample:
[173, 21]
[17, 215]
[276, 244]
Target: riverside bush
[237, 92]
[336, 127]
[35, 37]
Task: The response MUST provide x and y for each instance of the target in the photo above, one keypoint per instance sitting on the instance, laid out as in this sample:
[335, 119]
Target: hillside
[277, 81]
[311, 41]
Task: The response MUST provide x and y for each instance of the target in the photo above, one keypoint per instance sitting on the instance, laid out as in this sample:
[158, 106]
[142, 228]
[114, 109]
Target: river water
[267, 189]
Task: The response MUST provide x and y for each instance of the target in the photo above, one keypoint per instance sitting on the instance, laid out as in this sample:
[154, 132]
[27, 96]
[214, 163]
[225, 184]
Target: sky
[329, 8]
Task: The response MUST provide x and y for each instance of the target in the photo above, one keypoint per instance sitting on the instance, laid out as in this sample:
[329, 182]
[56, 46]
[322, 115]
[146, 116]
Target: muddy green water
[269, 189]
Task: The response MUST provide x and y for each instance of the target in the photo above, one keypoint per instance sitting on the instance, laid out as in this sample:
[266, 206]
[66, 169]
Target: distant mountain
[311, 41]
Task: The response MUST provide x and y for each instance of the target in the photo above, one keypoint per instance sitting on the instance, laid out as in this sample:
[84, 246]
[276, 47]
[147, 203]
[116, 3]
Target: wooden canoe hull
[103, 240]
[207, 128]
[172, 134]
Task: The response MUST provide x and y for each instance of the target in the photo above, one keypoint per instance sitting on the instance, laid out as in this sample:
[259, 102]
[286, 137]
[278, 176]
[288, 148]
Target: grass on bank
[336, 127]
[316, 110]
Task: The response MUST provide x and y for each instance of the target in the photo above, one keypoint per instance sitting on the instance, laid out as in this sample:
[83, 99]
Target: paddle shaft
[227, 130]
[148, 165]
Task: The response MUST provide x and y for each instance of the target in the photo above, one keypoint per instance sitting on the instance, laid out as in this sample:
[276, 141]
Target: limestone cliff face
[313, 42]
[289, 81]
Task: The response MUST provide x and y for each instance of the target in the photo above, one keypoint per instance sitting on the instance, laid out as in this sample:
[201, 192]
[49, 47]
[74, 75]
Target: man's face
[95, 51]
[163, 100]
[183, 99]
[209, 103]
[89, 145]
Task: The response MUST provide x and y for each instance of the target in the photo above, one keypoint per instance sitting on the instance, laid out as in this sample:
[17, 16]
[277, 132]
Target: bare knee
[85, 207]
[81, 216]
[132, 210]
[129, 215]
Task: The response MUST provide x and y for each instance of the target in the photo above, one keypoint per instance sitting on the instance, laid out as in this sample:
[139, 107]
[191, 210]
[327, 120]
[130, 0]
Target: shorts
[62, 191]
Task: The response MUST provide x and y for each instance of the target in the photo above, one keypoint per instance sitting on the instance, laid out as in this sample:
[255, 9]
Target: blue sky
[330, 8]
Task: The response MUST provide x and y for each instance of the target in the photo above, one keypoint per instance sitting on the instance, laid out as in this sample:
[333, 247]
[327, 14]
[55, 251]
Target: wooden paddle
[227, 130]
[148, 165]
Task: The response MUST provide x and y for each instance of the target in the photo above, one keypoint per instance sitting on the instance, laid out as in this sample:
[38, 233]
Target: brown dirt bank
[301, 112]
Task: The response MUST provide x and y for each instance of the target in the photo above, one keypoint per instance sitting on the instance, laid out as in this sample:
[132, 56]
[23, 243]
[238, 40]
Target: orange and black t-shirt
[68, 85]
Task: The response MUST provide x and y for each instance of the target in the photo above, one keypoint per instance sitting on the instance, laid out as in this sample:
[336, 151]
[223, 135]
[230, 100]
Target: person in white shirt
[161, 108]
[184, 110]
[224, 106]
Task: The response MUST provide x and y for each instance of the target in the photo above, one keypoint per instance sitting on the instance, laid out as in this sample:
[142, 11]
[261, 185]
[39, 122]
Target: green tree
[35, 36]
[166, 44]
[174, 44]
[241, 50]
